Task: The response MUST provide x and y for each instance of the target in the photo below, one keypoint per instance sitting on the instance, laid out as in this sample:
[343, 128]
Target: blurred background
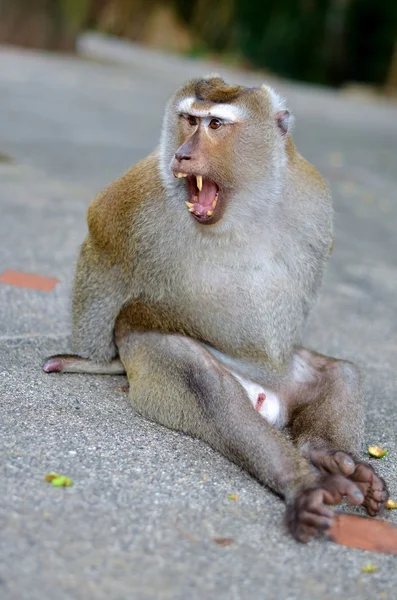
[331, 42]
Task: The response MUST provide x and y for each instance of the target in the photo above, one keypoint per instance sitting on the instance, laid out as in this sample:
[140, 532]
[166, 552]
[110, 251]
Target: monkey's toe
[333, 462]
[372, 486]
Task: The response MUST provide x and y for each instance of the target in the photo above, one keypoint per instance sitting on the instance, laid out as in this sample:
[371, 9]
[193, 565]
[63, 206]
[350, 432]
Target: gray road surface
[146, 503]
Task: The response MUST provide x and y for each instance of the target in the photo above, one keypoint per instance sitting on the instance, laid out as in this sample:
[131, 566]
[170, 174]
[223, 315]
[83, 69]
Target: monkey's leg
[178, 383]
[326, 417]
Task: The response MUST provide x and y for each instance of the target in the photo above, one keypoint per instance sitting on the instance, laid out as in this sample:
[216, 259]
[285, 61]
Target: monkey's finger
[372, 486]
[341, 462]
[317, 521]
[364, 473]
[378, 495]
[314, 504]
[321, 510]
[333, 462]
[385, 496]
[374, 503]
[304, 533]
[337, 486]
[326, 495]
[373, 508]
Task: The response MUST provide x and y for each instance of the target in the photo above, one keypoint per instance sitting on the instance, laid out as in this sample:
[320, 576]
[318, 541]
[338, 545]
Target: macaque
[197, 275]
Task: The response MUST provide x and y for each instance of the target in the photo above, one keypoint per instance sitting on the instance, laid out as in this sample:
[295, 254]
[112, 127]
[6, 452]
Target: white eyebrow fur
[225, 112]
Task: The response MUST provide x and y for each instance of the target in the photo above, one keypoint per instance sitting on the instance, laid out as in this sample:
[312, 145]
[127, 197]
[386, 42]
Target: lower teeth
[209, 212]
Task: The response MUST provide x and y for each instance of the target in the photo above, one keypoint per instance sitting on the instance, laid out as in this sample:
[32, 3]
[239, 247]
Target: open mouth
[203, 197]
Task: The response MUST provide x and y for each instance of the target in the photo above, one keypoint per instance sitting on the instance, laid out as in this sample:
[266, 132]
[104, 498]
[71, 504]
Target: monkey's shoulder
[307, 203]
[111, 214]
[307, 180]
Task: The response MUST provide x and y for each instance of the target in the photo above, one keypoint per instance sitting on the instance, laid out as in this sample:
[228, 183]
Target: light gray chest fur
[246, 295]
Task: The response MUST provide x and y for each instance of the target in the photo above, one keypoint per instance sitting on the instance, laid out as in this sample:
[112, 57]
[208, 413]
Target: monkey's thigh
[178, 383]
[172, 380]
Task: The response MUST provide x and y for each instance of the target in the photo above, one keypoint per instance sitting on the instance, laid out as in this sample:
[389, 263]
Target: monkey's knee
[347, 372]
[330, 413]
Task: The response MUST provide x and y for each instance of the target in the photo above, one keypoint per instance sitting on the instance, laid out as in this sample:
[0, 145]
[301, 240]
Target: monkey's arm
[98, 295]
[104, 275]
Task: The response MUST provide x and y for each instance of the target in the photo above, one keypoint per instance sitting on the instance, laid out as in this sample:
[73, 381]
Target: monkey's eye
[215, 123]
[192, 120]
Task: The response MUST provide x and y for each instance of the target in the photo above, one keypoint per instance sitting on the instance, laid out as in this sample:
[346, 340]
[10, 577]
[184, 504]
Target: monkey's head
[224, 145]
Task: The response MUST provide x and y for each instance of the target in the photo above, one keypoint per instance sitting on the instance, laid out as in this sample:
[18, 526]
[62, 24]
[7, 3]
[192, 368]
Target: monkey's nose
[180, 156]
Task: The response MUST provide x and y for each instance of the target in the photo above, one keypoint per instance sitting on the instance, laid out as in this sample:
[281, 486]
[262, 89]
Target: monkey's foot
[307, 516]
[372, 486]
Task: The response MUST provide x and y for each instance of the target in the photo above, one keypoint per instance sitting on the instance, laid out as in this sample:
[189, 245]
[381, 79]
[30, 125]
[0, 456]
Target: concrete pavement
[146, 503]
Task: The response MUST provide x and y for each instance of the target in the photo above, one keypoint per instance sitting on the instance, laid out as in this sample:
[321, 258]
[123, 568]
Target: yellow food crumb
[369, 568]
[376, 451]
[58, 480]
[234, 497]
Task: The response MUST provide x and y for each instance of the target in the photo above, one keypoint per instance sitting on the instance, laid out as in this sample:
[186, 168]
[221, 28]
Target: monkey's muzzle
[203, 197]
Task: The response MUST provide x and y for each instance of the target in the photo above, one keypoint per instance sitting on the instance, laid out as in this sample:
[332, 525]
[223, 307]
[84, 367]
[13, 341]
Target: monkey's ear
[283, 120]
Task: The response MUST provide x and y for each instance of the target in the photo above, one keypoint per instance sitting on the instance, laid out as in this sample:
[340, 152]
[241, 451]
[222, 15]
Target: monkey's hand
[307, 515]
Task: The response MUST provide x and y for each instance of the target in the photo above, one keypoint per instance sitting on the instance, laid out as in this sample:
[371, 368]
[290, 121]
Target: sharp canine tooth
[209, 213]
[189, 205]
[214, 204]
[199, 179]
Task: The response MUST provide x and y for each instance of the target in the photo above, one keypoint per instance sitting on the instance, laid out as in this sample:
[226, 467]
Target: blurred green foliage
[324, 41]
[321, 41]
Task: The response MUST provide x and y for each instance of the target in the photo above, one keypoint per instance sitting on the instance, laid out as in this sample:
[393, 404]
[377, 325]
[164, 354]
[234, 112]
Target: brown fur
[138, 316]
[111, 214]
[217, 91]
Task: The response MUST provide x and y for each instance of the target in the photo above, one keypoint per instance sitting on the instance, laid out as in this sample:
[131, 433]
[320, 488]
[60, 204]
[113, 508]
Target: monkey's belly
[228, 335]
